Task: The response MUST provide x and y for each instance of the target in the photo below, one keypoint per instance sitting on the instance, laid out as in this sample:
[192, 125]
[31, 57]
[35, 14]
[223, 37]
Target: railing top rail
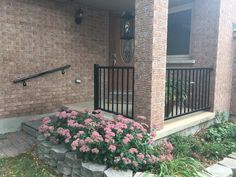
[116, 67]
[188, 68]
[23, 79]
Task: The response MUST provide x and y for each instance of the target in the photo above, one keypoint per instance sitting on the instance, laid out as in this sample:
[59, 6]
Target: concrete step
[31, 127]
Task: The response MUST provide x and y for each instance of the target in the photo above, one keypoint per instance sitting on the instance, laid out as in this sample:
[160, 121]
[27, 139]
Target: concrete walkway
[13, 144]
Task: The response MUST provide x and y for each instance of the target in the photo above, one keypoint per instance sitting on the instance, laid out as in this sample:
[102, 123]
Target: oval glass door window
[127, 50]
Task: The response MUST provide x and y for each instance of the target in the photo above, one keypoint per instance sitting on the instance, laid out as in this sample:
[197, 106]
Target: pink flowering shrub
[121, 143]
[166, 151]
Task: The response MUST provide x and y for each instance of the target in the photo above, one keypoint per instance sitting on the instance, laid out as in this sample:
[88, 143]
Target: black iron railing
[114, 89]
[24, 79]
[187, 91]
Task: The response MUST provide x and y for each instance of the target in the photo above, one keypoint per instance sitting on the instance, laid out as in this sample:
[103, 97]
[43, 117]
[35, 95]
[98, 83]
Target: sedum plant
[122, 143]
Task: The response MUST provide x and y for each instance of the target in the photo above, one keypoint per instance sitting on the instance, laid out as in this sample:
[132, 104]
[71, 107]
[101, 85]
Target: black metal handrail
[187, 91]
[24, 79]
[114, 89]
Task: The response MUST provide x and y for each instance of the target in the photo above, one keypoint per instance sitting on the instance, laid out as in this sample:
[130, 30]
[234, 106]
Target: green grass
[180, 167]
[24, 165]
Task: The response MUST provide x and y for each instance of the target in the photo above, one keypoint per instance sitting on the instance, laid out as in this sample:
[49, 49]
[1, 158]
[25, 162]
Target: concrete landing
[188, 124]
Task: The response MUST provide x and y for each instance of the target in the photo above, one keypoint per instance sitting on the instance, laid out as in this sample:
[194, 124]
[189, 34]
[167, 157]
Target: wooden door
[115, 43]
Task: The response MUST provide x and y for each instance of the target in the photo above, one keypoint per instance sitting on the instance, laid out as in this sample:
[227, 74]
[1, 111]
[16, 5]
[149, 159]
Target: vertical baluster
[196, 90]
[185, 90]
[205, 91]
[96, 86]
[108, 93]
[100, 87]
[177, 92]
[168, 94]
[199, 88]
[209, 84]
[117, 91]
[112, 93]
[203, 87]
[189, 87]
[172, 93]
[104, 88]
[193, 90]
[133, 95]
[127, 92]
[122, 92]
[181, 90]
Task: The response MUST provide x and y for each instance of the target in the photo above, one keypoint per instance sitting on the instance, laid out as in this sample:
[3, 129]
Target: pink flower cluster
[45, 128]
[120, 141]
[166, 154]
[64, 132]
[69, 114]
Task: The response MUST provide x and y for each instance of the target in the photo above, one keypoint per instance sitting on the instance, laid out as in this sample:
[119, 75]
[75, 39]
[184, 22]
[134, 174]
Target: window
[179, 32]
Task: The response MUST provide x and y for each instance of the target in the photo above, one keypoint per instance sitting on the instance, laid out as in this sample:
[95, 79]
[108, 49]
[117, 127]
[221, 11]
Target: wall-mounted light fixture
[79, 16]
[127, 26]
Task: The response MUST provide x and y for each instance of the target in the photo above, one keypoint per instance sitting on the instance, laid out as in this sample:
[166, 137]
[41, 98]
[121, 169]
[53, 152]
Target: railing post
[96, 86]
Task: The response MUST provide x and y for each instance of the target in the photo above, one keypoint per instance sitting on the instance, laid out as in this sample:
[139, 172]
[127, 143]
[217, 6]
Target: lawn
[24, 165]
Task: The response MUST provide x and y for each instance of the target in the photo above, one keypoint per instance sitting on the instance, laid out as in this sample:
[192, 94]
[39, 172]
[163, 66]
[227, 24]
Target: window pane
[179, 30]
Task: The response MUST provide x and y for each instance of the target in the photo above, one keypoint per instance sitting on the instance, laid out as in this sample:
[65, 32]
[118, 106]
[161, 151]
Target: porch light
[127, 26]
[79, 16]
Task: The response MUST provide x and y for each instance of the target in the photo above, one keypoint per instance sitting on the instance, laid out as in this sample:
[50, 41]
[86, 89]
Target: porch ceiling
[114, 5]
[174, 3]
[120, 5]
[110, 4]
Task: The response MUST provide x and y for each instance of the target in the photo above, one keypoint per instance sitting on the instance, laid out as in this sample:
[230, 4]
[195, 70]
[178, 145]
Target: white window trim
[182, 58]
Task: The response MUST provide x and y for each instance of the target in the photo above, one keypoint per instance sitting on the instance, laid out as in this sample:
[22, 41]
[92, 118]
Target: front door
[122, 73]
[121, 52]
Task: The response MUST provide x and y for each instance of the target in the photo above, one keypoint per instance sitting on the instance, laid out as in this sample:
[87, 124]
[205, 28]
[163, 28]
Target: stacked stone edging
[224, 168]
[67, 164]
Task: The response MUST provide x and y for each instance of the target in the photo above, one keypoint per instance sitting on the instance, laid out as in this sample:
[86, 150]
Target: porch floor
[90, 105]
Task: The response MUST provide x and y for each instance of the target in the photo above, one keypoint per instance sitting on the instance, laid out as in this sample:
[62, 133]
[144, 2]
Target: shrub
[121, 143]
[220, 132]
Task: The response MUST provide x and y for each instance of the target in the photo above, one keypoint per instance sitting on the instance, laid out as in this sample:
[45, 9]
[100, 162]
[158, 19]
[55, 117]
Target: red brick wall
[40, 35]
[233, 96]
[150, 59]
[212, 46]
[224, 63]
[205, 29]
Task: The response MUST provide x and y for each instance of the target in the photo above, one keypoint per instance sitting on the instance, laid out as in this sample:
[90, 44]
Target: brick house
[180, 61]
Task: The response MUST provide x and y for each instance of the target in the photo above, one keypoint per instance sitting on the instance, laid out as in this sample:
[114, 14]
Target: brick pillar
[150, 59]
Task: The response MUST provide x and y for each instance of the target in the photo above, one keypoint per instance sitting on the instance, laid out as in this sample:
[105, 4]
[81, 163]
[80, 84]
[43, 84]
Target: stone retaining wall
[67, 164]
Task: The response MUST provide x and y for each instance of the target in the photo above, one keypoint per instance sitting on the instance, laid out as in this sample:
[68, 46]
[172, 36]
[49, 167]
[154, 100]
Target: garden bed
[208, 145]
[117, 146]
[89, 145]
